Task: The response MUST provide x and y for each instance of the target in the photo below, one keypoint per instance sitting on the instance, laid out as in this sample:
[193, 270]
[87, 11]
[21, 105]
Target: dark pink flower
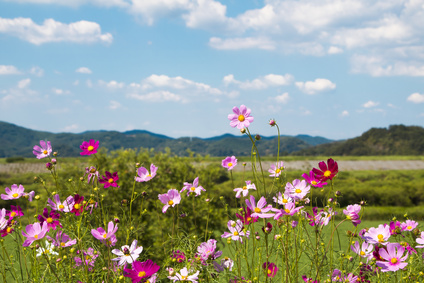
[15, 211]
[142, 271]
[90, 147]
[178, 255]
[312, 180]
[109, 180]
[270, 268]
[77, 205]
[246, 217]
[325, 171]
[50, 218]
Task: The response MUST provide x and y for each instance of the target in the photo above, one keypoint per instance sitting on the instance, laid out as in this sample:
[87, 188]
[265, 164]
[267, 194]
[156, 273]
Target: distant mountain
[394, 140]
[19, 141]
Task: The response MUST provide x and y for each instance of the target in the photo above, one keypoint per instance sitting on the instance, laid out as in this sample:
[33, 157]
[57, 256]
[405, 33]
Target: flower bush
[116, 221]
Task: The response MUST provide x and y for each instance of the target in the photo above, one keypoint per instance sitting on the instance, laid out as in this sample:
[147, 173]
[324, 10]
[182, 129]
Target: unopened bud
[272, 122]
[49, 166]
[242, 130]
[54, 161]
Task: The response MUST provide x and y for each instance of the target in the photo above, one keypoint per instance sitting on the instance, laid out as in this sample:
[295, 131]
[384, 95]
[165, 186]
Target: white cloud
[283, 98]
[37, 71]
[113, 105]
[416, 98]
[76, 3]
[53, 31]
[89, 83]
[111, 84]
[242, 43]
[71, 128]
[8, 70]
[83, 70]
[334, 50]
[151, 10]
[370, 104]
[266, 81]
[313, 87]
[59, 91]
[24, 83]
[157, 96]
[345, 113]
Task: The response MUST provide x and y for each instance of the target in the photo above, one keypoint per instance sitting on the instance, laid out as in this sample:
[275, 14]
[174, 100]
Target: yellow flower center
[12, 214]
[244, 188]
[45, 151]
[380, 238]
[241, 118]
[269, 271]
[171, 202]
[49, 220]
[104, 236]
[409, 227]
[141, 274]
[287, 210]
[9, 229]
[230, 164]
[362, 253]
[314, 182]
[278, 170]
[394, 260]
[76, 206]
[235, 233]
[110, 181]
[62, 244]
[36, 236]
[285, 200]
[61, 206]
[15, 195]
[90, 148]
[257, 210]
[193, 189]
[183, 277]
[327, 173]
[87, 257]
[298, 191]
[249, 219]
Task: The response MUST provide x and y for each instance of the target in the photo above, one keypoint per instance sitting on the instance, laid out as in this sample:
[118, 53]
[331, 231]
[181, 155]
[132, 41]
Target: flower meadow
[143, 216]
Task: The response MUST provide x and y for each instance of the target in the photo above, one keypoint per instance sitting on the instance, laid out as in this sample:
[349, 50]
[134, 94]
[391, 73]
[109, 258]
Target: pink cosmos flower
[184, 276]
[178, 255]
[282, 199]
[92, 173]
[236, 229]
[3, 220]
[276, 169]
[365, 250]
[289, 209]
[395, 228]
[241, 117]
[226, 263]
[245, 189]
[260, 209]
[352, 213]
[43, 151]
[62, 240]
[89, 258]
[378, 235]
[420, 240]
[206, 250]
[15, 211]
[229, 162]
[142, 271]
[50, 218]
[144, 175]
[64, 206]
[102, 235]
[326, 172]
[409, 225]
[171, 198]
[109, 180]
[312, 180]
[34, 232]
[29, 195]
[193, 188]
[325, 216]
[14, 193]
[246, 218]
[392, 258]
[297, 189]
[127, 254]
[270, 269]
[89, 148]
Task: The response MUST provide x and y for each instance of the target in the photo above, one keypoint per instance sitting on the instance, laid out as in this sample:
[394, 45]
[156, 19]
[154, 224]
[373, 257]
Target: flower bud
[54, 161]
[37, 197]
[272, 122]
[144, 194]
[257, 137]
[137, 165]
[242, 130]
[49, 166]
[81, 179]
[116, 219]
[338, 193]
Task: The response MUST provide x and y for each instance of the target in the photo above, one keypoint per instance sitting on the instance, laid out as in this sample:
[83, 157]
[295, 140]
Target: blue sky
[331, 68]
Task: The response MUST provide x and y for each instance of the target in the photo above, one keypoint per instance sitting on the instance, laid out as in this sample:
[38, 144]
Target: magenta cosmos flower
[15, 211]
[142, 271]
[245, 190]
[259, 209]
[171, 198]
[193, 188]
[77, 205]
[270, 269]
[392, 258]
[64, 206]
[34, 232]
[43, 151]
[106, 237]
[89, 258]
[325, 171]
[312, 180]
[276, 169]
[127, 254]
[246, 216]
[144, 175]
[89, 147]
[109, 180]
[241, 117]
[14, 192]
[229, 162]
[184, 276]
[50, 218]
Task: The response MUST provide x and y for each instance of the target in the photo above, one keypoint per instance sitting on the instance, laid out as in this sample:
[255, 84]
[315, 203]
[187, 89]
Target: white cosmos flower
[127, 254]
